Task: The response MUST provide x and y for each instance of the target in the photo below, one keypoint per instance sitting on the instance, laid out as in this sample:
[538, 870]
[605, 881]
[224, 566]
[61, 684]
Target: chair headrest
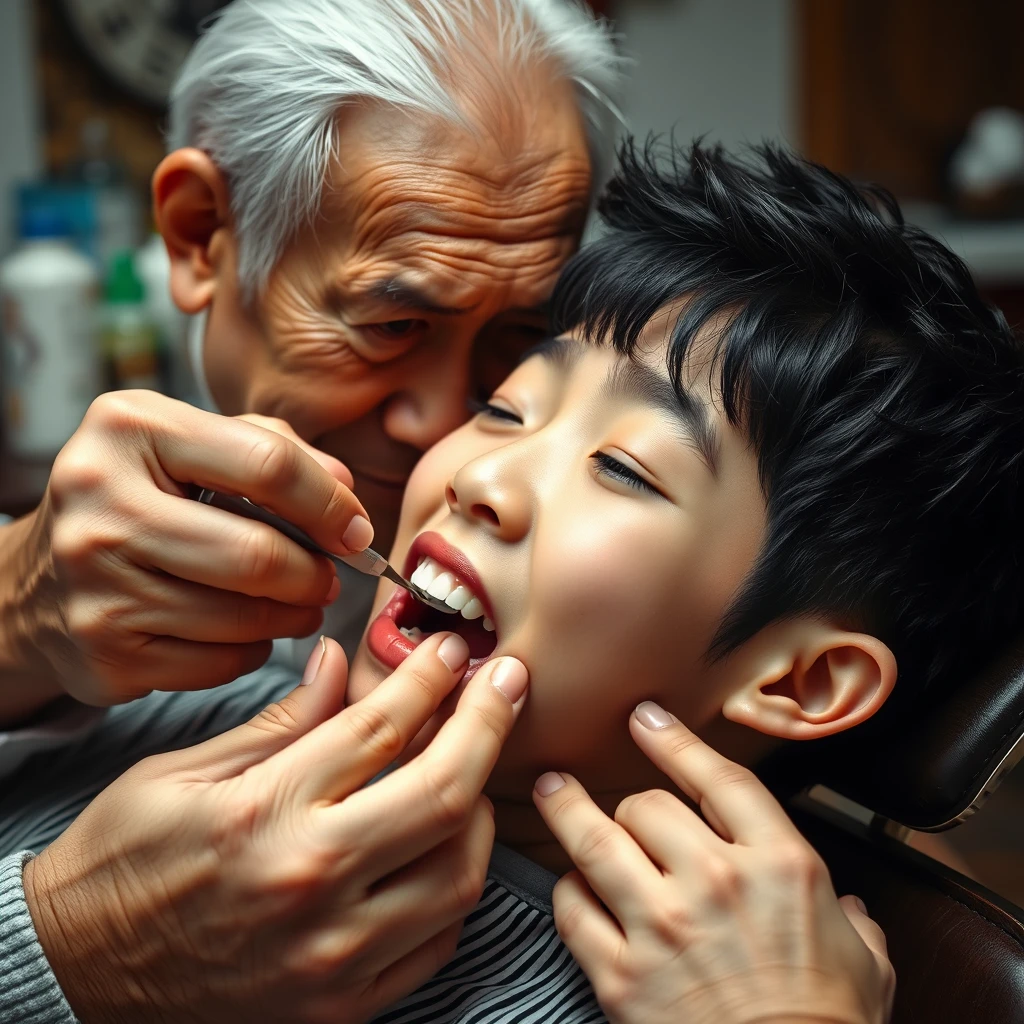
[934, 771]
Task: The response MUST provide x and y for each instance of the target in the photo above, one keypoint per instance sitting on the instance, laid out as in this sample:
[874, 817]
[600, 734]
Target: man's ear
[191, 205]
[807, 679]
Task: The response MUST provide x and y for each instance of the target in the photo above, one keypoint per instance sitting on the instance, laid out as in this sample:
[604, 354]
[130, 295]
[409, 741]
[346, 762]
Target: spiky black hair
[883, 396]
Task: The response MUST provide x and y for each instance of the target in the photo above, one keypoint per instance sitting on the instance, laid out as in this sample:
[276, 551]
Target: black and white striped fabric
[510, 965]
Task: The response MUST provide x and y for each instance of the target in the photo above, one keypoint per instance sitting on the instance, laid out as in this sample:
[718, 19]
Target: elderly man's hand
[252, 878]
[731, 920]
[126, 587]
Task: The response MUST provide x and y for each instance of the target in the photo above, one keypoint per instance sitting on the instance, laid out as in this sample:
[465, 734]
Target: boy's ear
[191, 206]
[807, 679]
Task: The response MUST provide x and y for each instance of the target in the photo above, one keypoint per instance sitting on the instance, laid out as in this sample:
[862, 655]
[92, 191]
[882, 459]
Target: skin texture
[611, 595]
[477, 222]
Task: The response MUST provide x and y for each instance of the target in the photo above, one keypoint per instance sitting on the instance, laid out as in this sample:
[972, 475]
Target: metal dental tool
[367, 561]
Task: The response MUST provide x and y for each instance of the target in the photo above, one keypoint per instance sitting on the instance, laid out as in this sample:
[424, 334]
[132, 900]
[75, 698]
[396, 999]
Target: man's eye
[607, 466]
[498, 412]
[397, 330]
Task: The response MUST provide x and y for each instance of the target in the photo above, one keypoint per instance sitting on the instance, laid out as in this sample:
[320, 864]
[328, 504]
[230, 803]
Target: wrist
[29, 621]
[56, 913]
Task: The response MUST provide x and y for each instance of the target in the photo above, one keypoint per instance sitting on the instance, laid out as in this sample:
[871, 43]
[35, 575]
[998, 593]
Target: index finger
[734, 801]
[225, 454]
[349, 749]
[430, 798]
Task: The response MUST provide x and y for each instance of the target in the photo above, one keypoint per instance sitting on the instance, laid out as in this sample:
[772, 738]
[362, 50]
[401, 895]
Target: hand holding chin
[729, 918]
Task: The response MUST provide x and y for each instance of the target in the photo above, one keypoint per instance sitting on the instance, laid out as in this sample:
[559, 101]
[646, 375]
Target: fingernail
[510, 678]
[358, 534]
[335, 590]
[653, 716]
[548, 783]
[313, 665]
[860, 904]
[454, 652]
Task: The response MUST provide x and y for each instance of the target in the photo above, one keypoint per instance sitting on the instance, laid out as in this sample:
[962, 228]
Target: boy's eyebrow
[633, 380]
[563, 352]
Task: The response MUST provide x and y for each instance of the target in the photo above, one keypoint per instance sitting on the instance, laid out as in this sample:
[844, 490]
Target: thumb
[874, 938]
[319, 696]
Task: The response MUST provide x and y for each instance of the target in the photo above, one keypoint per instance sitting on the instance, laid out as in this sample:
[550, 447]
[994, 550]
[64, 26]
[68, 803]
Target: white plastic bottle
[48, 291]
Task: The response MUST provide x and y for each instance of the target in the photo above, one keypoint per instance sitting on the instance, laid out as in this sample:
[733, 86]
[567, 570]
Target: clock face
[141, 44]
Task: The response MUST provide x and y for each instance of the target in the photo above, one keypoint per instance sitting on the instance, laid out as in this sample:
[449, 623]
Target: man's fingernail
[358, 534]
[510, 678]
[548, 783]
[860, 905]
[313, 665]
[453, 652]
[653, 716]
[334, 591]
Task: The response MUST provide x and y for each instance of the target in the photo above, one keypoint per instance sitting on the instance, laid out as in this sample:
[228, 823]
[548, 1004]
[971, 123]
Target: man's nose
[491, 492]
[431, 403]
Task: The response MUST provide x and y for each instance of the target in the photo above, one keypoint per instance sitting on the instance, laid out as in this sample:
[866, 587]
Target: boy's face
[606, 529]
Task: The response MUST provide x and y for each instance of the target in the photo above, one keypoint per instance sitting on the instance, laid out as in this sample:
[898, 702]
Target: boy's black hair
[883, 397]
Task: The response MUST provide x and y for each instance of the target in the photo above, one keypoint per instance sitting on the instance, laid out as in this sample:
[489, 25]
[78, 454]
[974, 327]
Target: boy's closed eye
[605, 465]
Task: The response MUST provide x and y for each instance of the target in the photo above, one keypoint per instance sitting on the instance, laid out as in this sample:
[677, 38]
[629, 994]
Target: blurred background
[923, 96]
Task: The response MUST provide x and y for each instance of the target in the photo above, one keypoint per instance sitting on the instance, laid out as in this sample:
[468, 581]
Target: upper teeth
[442, 584]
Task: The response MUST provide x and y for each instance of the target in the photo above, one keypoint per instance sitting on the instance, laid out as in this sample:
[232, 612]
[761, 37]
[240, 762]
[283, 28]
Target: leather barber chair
[958, 949]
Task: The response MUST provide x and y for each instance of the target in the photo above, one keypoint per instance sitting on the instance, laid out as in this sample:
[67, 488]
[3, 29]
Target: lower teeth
[412, 632]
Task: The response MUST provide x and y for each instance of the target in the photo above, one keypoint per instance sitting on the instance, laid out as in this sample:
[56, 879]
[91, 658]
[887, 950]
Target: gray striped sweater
[510, 966]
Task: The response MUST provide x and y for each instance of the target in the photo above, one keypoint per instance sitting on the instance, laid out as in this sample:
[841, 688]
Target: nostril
[485, 512]
[451, 497]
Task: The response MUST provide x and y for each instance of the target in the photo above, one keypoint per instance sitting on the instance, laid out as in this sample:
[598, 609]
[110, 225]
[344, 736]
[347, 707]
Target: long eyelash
[476, 405]
[616, 470]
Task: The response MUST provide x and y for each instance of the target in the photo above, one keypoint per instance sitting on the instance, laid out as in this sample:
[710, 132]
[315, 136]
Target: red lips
[385, 640]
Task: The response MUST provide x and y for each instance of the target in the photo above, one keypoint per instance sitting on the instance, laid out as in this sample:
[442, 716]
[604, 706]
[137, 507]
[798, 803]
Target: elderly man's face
[422, 282]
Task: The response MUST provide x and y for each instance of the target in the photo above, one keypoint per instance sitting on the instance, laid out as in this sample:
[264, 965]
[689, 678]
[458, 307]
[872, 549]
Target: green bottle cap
[123, 284]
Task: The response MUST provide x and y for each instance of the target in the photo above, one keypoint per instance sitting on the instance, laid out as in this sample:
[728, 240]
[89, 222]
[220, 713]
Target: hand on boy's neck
[796, 680]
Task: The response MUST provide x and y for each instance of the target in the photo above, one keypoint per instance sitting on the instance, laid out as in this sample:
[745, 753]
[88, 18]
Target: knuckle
[727, 773]
[798, 864]
[273, 461]
[597, 844]
[637, 805]
[568, 919]
[261, 556]
[466, 887]
[278, 719]
[76, 471]
[722, 880]
[114, 410]
[673, 922]
[613, 994]
[372, 729]
[494, 717]
[448, 796]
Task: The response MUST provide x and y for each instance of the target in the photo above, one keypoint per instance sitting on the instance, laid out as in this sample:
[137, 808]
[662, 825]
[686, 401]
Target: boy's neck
[519, 826]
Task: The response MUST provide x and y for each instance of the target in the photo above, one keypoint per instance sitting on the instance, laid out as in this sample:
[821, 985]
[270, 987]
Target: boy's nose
[496, 504]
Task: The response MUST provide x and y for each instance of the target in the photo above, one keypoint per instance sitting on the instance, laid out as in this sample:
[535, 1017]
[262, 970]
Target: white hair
[261, 90]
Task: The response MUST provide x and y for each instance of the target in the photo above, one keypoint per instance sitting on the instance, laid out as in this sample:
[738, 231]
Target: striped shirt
[510, 965]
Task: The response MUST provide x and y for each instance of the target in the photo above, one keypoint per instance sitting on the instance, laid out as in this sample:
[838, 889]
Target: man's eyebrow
[397, 292]
[635, 381]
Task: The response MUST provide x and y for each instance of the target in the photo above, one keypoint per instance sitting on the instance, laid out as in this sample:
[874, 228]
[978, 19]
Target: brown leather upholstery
[924, 772]
[958, 949]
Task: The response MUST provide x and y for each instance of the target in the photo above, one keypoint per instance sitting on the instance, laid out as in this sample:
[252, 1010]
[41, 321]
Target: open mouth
[445, 573]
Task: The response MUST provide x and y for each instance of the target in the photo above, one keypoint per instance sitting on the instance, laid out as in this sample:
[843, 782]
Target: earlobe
[812, 681]
[191, 206]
